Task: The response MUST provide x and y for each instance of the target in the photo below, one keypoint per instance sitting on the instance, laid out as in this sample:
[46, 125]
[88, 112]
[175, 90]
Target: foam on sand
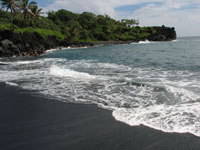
[175, 118]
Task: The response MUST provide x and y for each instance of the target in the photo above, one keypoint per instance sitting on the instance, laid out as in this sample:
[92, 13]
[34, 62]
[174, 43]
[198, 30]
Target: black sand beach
[34, 123]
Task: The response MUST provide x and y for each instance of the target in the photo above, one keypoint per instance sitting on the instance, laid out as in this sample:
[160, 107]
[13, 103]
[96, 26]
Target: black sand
[32, 123]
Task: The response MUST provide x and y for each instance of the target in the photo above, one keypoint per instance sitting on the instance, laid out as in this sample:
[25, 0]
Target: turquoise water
[156, 84]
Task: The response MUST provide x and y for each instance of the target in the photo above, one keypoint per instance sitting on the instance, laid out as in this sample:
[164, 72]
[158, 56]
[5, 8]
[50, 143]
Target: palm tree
[25, 7]
[9, 4]
[36, 11]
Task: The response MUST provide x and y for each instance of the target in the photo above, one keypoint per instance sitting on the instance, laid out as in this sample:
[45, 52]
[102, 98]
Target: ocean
[156, 84]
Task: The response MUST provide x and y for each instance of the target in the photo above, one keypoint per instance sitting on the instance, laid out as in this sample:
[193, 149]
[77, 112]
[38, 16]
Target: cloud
[186, 20]
[184, 15]
[98, 7]
[95, 6]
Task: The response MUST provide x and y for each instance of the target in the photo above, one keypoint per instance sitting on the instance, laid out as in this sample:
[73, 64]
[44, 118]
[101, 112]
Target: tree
[9, 5]
[87, 20]
[36, 11]
[130, 22]
[62, 16]
[75, 29]
[26, 7]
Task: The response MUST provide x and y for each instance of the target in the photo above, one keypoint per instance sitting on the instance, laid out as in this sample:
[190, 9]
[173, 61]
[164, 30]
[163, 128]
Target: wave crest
[63, 72]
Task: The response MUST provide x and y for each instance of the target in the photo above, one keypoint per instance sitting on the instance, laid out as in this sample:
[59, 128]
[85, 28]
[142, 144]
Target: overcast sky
[184, 15]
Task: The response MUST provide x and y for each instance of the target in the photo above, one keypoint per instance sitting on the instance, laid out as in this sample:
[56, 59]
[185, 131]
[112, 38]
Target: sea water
[156, 84]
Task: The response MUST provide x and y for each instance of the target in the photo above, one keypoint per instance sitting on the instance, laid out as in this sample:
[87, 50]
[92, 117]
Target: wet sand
[28, 122]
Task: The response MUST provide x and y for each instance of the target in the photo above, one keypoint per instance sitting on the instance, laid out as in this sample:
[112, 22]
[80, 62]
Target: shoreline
[31, 122]
[33, 44]
[104, 43]
[99, 43]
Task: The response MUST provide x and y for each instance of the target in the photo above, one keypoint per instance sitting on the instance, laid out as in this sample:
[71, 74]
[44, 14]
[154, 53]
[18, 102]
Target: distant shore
[33, 35]
[11, 50]
[30, 122]
[14, 43]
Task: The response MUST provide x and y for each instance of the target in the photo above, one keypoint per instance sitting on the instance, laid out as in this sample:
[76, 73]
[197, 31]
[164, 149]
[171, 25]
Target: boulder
[9, 48]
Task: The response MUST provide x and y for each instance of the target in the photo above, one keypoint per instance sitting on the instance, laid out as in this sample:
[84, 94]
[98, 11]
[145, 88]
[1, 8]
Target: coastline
[31, 122]
[99, 43]
[33, 44]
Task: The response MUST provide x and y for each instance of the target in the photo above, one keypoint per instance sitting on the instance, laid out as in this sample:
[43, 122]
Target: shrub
[7, 27]
[45, 33]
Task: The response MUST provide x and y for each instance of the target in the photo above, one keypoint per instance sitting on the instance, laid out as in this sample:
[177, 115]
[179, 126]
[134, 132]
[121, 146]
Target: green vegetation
[7, 27]
[25, 16]
[45, 33]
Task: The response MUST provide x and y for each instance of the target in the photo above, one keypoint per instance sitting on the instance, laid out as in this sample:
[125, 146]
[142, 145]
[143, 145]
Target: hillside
[21, 36]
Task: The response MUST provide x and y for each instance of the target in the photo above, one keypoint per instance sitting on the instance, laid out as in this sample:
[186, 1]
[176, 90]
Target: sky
[184, 15]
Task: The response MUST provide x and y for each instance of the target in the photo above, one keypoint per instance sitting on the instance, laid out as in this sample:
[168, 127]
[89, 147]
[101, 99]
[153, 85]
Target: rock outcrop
[31, 44]
[163, 34]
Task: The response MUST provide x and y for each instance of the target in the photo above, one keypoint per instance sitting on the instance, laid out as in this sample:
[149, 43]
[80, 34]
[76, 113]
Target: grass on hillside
[45, 33]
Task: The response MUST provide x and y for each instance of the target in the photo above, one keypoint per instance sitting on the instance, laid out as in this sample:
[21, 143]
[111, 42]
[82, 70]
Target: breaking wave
[11, 84]
[61, 72]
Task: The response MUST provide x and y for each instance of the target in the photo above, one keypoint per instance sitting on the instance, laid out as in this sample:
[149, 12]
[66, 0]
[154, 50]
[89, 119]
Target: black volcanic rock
[163, 34]
[8, 48]
[23, 44]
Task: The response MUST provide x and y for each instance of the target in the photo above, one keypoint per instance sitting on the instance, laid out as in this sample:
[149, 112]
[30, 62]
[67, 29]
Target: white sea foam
[174, 40]
[40, 61]
[64, 48]
[183, 94]
[3, 63]
[175, 118]
[144, 42]
[11, 84]
[113, 66]
[63, 72]
[56, 49]
[26, 62]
